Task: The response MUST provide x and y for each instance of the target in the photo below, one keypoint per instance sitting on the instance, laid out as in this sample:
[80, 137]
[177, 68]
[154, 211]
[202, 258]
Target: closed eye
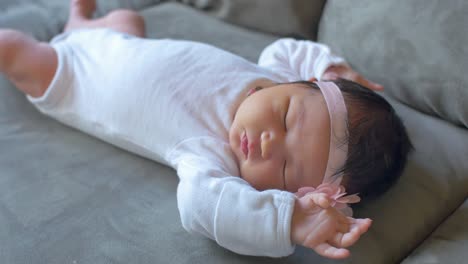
[285, 126]
[285, 117]
[286, 130]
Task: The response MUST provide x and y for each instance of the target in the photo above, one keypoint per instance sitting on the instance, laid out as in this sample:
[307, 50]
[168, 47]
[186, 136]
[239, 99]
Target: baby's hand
[317, 225]
[345, 72]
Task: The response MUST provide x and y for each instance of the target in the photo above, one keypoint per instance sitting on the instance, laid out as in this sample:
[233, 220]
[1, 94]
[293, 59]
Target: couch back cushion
[285, 18]
[417, 49]
[44, 19]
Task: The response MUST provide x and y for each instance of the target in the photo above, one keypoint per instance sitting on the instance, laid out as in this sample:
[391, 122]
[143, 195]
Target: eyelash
[285, 129]
[284, 121]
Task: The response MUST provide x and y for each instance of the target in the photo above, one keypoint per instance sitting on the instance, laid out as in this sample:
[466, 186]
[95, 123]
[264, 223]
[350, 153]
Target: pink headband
[338, 152]
[338, 128]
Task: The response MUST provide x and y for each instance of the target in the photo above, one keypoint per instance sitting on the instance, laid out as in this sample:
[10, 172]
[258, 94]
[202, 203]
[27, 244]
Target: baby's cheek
[247, 175]
[260, 177]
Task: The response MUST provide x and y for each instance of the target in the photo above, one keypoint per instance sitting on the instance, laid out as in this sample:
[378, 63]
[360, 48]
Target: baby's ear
[313, 79]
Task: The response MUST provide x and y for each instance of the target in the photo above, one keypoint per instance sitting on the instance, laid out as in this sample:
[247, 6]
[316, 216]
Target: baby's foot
[81, 11]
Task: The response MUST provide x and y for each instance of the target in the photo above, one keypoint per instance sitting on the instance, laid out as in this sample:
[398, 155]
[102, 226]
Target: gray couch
[66, 197]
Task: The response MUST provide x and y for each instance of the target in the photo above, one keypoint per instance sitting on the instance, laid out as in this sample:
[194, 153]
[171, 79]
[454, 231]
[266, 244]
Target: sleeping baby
[266, 153]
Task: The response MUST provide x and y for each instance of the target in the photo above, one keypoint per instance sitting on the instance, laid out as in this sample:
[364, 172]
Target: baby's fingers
[347, 239]
[361, 224]
[329, 251]
[369, 84]
[319, 199]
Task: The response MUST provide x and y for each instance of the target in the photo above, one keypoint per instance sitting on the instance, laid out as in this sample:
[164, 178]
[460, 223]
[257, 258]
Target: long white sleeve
[228, 210]
[297, 60]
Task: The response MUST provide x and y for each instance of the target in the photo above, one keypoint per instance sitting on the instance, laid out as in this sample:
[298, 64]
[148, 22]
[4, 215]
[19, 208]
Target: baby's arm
[298, 60]
[317, 225]
[268, 223]
[231, 212]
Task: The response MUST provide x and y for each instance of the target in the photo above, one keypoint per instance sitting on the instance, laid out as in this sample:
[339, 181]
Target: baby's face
[280, 136]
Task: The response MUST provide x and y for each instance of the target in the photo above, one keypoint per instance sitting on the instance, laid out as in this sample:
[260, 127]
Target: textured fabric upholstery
[292, 17]
[417, 49]
[66, 197]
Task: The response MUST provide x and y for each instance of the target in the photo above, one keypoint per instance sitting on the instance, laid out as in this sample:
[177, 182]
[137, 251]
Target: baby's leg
[126, 21]
[29, 64]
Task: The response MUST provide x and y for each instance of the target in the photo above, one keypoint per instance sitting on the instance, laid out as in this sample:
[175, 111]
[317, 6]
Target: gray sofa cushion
[177, 21]
[67, 197]
[292, 17]
[432, 186]
[417, 49]
[448, 244]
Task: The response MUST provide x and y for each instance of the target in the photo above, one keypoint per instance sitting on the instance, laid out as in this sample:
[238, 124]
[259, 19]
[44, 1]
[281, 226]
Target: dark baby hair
[378, 144]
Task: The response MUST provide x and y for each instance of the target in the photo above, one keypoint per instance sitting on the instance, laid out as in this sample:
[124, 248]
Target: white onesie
[174, 102]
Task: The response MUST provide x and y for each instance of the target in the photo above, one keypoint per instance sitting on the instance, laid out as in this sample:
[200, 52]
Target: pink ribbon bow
[334, 192]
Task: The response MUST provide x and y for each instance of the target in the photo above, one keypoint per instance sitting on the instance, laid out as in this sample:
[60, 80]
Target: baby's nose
[267, 144]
